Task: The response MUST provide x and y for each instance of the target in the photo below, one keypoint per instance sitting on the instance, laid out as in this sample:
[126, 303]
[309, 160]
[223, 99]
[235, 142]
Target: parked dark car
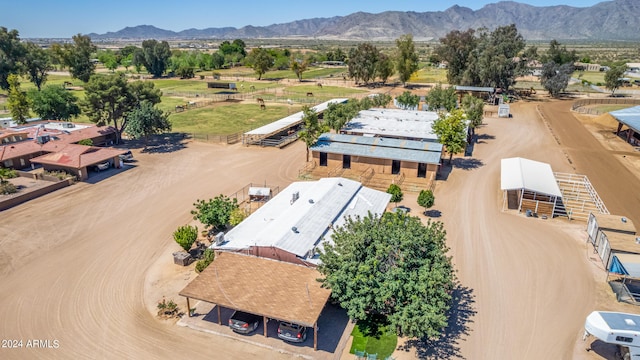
[243, 323]
[292, 332]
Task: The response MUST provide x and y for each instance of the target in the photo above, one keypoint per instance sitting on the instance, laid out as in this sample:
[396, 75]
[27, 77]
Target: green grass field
[429, 74]
[384, 344]
[593, 77]
[228, 119]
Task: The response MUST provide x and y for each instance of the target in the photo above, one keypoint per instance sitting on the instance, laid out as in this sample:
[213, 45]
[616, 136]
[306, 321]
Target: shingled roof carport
[270, 288]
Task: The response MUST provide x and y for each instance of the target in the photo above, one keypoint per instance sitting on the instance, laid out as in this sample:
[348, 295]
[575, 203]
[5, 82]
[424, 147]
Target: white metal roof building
[393, 123]
[284, 123]
[533, 182]
[301, 216]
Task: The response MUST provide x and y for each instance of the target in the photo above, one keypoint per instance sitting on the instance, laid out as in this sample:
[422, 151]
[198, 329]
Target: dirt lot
[80, 265]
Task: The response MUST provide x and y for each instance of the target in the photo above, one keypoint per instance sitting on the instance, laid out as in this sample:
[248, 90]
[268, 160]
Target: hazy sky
[64, 18]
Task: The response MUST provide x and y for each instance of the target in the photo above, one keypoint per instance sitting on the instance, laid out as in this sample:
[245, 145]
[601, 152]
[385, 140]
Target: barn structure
[393, 123]
[631, 119]
[284, 131]
[377, 155]
[294, 224]
[529, 186]
[484, 93]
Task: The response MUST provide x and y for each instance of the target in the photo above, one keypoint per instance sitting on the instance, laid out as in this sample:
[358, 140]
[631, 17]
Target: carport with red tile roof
[76, 158]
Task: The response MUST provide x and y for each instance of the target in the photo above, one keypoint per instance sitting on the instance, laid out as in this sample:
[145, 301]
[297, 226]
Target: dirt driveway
[75, 263]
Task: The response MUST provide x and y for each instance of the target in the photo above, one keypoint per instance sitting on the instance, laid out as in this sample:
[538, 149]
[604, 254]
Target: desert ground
[84, 265]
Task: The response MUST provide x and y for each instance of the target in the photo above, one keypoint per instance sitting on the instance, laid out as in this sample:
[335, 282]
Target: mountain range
[608, 20]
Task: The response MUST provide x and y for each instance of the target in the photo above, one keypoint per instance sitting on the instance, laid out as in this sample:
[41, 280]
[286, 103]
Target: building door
[422, 170]
[346, 161]
[323, 159]
[395, 167]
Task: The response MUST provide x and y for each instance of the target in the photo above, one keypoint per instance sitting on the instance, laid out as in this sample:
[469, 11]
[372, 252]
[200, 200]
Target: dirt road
[74, 261]
[526, 274]
[618, 187]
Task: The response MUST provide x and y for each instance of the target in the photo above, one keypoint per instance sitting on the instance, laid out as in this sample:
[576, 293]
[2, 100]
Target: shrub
[185, 236]
[209, 255]
[58, 174]
[426, 199]
[396, 193]
[86, 142]
[236, 217]
[7, 188]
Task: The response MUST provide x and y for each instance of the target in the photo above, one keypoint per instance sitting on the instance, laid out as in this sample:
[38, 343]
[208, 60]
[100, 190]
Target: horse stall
[605, 222]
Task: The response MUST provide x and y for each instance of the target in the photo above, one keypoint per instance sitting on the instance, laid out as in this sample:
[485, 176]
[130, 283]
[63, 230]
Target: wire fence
[582, 106]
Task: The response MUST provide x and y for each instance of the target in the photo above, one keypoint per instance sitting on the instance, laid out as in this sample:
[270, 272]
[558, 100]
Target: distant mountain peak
[608, 20]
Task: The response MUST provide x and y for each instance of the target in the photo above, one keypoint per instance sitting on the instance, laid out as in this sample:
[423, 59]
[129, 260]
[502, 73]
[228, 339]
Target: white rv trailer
[615, 328]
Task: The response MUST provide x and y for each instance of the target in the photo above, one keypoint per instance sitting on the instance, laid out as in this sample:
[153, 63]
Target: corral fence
[216, 138]
[581, 106]
[245, 200]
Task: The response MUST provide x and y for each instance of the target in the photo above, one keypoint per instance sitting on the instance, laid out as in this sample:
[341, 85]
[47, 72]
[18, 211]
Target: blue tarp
[617, 267]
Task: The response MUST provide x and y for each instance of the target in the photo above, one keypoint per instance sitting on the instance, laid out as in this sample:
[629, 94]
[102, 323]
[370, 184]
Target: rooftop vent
[311, 201]
[638, 240]
[295, 196]
[294, 229]
[623, 219]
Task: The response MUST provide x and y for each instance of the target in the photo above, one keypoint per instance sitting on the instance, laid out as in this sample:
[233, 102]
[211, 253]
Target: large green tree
[78, 57]
[110, 98]
[407, 100]
[559, 54]
[338, 114]
[555, 78]
[214, 213]
[37, 64]
[312, 128]
[53, 102]
[384, 69]
[613, 77]
[11, 53]
[455, 49]
[483, 58]
[493, 61]
[440, 98]
[154, 56]
[474, 110]
[394, 266]
[299, 65]
[363, 62]
[17, 101]
[260, 60]
[147, 120]
[451, 129]
[407, 58]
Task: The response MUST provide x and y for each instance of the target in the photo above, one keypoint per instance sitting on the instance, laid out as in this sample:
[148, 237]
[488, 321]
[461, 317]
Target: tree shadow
[162, 143]
[447, 345]
[373, 326]
[481, 137]
[433, 213]
[458, 163]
